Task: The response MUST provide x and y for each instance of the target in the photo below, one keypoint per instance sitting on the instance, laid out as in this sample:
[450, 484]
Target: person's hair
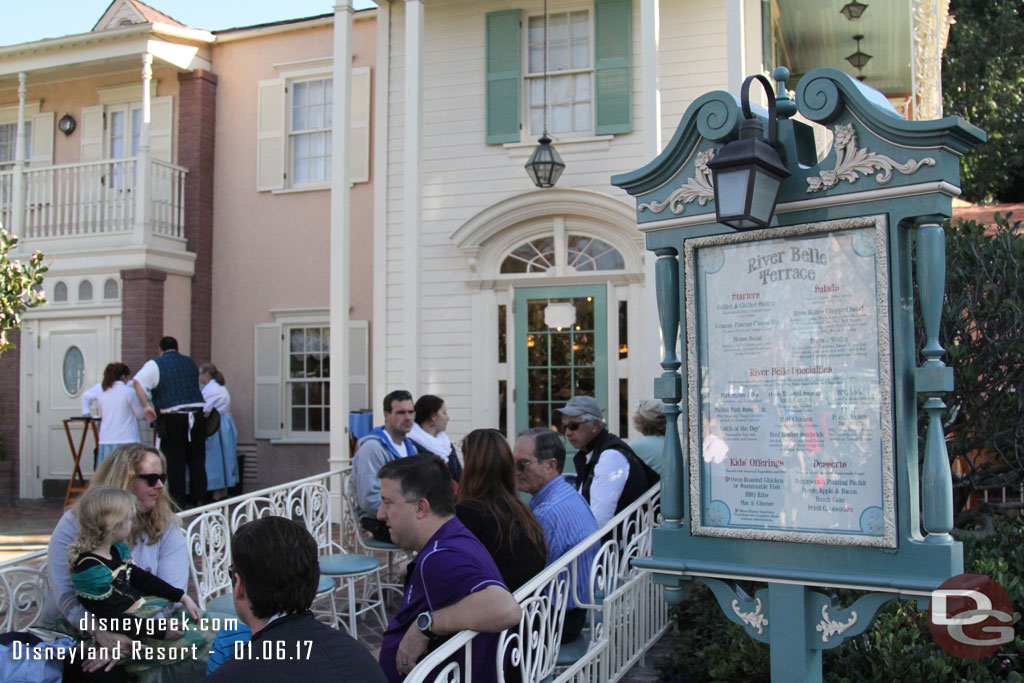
[99, 511]
[649, 427]
[168, 344]
[489, 479]
[112, 373]
[426, 407]
[423, 476]
[547, 445]
[396, 395]
[211, 370]
[276, 560]
[120, 469]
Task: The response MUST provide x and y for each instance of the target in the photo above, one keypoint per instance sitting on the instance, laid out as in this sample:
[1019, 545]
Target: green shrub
[897, 647]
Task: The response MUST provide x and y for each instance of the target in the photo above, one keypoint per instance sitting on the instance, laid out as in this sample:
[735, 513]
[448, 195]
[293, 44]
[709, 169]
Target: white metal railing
[23, 580]
[626, 611]
[95, 198]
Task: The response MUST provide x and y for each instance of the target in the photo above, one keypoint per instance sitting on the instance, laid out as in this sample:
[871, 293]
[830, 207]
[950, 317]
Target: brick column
[197, 116]
[10, 380]
[142, 315]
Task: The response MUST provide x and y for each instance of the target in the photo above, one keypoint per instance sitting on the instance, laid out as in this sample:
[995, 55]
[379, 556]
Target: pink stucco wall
[271, 251]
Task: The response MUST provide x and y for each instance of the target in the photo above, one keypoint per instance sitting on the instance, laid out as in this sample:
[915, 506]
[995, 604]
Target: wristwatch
[423, 622]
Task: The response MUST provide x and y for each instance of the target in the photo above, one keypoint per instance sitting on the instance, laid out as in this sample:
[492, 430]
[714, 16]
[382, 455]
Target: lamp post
[748, 172]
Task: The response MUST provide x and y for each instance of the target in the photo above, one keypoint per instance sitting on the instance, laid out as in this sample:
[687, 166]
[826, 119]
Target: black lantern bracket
[748, 172]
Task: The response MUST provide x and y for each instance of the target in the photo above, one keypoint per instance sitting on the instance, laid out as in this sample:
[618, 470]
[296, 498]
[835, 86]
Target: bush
[897, 647]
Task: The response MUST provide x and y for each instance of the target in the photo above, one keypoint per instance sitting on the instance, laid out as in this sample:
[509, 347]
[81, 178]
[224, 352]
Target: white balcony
[105, 202]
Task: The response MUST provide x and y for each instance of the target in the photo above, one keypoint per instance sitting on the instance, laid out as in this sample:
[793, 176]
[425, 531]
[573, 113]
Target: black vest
[641, 476]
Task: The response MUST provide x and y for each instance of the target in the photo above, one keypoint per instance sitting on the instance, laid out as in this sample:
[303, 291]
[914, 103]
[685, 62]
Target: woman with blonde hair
[156, 540]
[489, 506]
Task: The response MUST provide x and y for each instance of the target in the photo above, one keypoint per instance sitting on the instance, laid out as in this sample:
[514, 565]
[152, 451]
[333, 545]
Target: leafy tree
[983, 82]
[20, 286]
[982, 319]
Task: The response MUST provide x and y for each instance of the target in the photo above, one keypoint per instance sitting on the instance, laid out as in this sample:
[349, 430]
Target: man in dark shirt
[452, 585]
[177, 407]
[274, 580]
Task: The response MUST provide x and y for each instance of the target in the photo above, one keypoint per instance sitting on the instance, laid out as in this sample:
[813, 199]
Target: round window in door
[74, 370]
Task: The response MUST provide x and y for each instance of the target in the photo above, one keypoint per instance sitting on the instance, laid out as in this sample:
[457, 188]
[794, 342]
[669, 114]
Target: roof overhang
[100, 52]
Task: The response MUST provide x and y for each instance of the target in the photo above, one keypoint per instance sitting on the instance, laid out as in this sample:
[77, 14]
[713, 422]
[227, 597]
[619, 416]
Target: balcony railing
[95, 198]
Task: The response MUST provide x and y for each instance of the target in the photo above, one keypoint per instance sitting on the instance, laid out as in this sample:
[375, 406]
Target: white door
[71, 357]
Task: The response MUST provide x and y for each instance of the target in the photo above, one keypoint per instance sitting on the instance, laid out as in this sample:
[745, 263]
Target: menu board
[789, 371]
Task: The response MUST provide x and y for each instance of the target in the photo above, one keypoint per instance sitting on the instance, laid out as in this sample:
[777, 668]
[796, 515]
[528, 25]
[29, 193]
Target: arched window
[85, 291]
[583, 253]
[60, 293]
[110, 289]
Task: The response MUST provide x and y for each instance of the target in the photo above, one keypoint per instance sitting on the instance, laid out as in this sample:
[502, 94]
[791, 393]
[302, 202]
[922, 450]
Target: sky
[29, 20]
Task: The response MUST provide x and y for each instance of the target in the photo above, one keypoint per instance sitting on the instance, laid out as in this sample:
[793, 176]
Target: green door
[561, 352]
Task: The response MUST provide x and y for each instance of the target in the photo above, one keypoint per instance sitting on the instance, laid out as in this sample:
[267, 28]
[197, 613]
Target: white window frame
[272, 391]
[530, 76]
[275, 134]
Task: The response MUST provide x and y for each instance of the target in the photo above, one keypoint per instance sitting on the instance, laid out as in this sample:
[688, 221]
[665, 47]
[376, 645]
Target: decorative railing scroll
[627, 610]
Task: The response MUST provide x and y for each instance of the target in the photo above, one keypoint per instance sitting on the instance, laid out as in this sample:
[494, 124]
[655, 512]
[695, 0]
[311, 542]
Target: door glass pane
[540, 415]
[623, 329]
[73, 370]
[584, 312]
[584, 381]
[535, 315]
[583, 349]
[561, 349]
[538, 385]
[537, 349]
[561, 386]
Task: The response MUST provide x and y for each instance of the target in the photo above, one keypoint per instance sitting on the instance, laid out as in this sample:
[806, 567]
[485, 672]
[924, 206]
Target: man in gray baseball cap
[609, 474]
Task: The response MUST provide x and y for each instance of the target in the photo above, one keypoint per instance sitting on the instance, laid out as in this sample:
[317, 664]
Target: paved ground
[25, 525]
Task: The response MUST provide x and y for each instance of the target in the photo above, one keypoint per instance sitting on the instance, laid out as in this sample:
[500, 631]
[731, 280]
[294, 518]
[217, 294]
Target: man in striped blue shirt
[562, 512]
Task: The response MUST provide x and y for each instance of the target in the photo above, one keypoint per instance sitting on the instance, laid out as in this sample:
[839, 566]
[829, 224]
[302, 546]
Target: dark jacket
[641, 476]
[297, 647]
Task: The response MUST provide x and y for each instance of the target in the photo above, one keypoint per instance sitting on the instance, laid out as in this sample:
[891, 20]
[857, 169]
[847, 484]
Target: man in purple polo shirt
[452, 585]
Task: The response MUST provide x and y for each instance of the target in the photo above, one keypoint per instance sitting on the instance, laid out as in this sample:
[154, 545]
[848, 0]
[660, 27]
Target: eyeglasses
[571, 426]
[521, 465]
[152, 479]
[232, 574]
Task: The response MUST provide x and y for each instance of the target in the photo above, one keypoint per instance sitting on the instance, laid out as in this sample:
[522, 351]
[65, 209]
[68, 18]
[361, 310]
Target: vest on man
[641, 476]
[179, 381]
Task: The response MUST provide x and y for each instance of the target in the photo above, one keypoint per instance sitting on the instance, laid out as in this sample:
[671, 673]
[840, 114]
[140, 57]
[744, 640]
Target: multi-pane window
[125, 134]
[569, 73]
[9, 143]
[312, 104]
[581, 253]
[308, 382]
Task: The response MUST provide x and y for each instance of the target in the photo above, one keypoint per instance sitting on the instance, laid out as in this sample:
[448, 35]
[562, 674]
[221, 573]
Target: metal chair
[311, 503]
[277, 506]
[368, 543]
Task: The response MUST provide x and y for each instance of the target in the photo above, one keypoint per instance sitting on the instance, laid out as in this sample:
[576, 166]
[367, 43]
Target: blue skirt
[222, 456]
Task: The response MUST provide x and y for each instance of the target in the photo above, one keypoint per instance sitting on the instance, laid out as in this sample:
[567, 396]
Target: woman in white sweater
[119, 409]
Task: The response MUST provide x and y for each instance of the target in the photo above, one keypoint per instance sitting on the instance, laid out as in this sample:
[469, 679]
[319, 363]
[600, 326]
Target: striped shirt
[566, 519]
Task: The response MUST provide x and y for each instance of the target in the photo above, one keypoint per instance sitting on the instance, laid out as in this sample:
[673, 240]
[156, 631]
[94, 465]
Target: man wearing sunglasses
[608, 473]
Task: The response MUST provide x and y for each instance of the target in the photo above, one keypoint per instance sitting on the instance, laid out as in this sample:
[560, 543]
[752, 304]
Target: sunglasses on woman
[152, 479]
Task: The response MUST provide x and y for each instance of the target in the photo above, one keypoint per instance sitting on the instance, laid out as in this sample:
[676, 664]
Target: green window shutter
[613, 82]
[503, 76]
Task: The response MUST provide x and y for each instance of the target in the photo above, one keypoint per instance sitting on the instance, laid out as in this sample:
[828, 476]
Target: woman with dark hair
[222, 445]
[428, 432]
[489, 506]
[119, 409]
